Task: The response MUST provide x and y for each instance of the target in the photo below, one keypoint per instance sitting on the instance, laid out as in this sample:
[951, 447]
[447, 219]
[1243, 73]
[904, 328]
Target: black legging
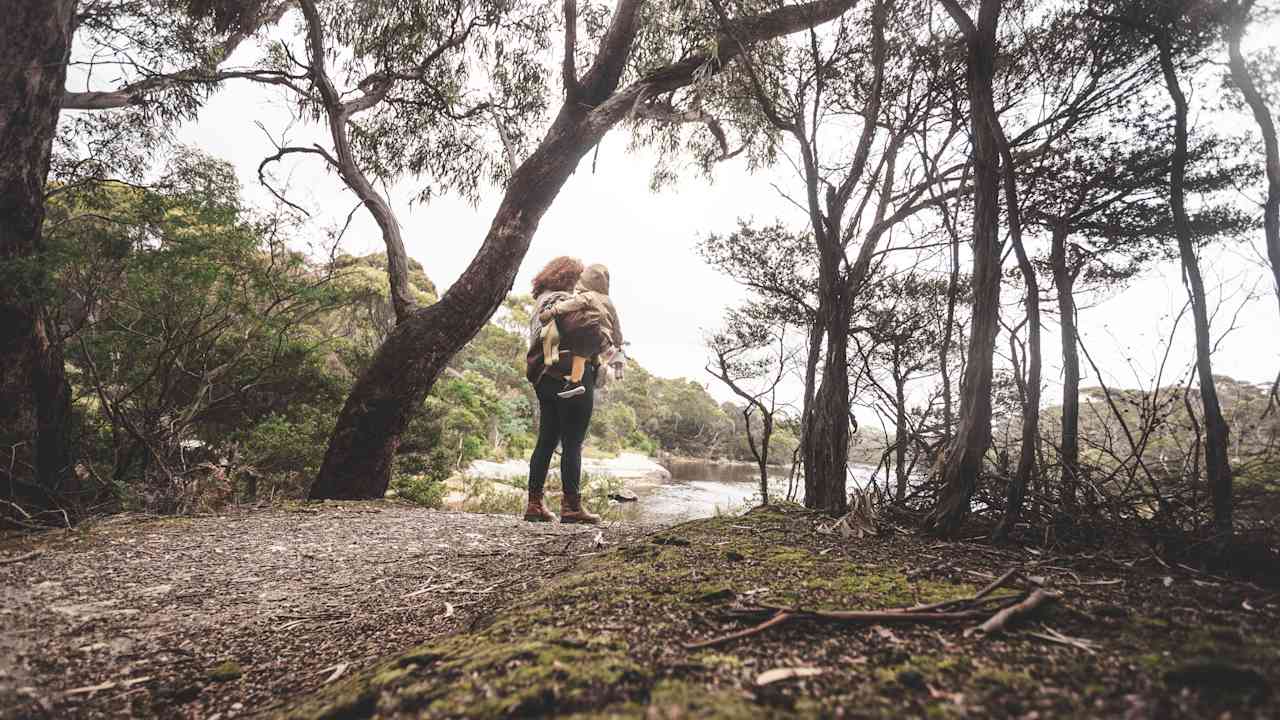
[561, 422]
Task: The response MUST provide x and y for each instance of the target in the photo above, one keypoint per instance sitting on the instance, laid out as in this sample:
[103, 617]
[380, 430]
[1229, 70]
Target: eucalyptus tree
[963, 460]
[358, 460]
[874, 76]
[1055, 72]
[1180, 33]
[1102, 199]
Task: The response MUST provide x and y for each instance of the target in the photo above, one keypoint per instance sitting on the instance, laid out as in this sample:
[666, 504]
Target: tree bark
[1016, 492]
[900, 429]
[1069, 451]
[828, 449]
[1217, 434]
[963, 461]
[35, 399]
[1266, 127]
[944, 352]
[358, 461]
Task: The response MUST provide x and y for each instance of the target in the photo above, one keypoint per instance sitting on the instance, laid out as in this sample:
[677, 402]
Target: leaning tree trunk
[963, 461]
[35, 399]
[1267, 128]
[1069, 451]
[358, 461]
[1217, 464]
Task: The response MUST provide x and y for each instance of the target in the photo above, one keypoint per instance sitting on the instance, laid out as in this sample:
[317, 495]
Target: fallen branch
[1000, 620]
[778, 619]
[998, 611]
[20, 558]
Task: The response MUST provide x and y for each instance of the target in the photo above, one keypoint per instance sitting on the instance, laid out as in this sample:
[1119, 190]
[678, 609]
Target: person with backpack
[562, 421]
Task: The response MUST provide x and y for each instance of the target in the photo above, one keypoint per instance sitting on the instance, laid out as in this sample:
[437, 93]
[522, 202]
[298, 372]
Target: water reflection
[702, 489]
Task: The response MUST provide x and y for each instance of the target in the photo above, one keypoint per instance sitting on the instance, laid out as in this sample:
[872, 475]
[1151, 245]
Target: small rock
[624, 496]
[734, 556]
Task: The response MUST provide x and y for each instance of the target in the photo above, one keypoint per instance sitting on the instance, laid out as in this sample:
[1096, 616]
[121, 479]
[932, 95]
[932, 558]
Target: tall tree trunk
[1069, 452]
[1016, 492]
[828, 448]
[35, 399]
[1217, 464]
[1266, 127]
[963, 461]
[358, 461]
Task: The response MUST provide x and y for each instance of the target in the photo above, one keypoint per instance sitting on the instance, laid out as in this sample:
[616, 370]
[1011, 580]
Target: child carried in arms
[587, 323]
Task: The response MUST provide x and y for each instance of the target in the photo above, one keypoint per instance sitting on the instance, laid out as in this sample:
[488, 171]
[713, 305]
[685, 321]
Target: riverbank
[618, 636]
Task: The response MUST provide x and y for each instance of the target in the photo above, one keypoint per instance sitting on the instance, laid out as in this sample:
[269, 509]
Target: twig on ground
[1054, 636]
[20, 558]
[1001, 620]
[1007, 608]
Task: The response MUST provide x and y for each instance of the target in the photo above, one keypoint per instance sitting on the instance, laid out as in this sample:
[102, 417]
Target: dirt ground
[218, 617]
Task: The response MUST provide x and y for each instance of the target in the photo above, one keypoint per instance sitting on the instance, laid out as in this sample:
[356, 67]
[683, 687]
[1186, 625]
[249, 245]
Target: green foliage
[185, 320]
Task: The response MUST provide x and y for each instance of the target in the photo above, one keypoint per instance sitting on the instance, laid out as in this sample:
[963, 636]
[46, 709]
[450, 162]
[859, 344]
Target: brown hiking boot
[534, 511]
[571, 511]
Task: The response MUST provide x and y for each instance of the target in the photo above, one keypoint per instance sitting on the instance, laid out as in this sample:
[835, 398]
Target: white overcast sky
[668, 298]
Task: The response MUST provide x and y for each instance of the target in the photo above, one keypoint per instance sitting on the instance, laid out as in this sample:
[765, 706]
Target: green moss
[1003, 678]
[678, 699]
[229, 670]
[717, 660]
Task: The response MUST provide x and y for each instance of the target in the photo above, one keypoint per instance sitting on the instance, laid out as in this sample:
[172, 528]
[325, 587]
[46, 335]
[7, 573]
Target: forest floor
[238, 613]
[362, 610]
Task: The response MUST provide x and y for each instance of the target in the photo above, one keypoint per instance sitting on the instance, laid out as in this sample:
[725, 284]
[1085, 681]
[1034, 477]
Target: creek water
[699, 489]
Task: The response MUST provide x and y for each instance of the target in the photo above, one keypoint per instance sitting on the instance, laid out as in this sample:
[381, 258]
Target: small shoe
[573, 392]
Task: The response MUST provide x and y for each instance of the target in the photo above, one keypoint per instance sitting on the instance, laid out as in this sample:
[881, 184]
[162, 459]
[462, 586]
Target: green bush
[419, 489]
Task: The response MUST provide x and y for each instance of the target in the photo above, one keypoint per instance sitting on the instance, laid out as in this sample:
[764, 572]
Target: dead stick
[19, 558]
[997, 622]
[890, 615]
[996, 584]
[777, 619]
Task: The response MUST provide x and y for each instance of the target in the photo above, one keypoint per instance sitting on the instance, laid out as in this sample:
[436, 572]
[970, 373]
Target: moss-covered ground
[605, 638]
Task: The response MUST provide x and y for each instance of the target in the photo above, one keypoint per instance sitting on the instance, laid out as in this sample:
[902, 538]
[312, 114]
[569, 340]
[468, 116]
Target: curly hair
[559, 274]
